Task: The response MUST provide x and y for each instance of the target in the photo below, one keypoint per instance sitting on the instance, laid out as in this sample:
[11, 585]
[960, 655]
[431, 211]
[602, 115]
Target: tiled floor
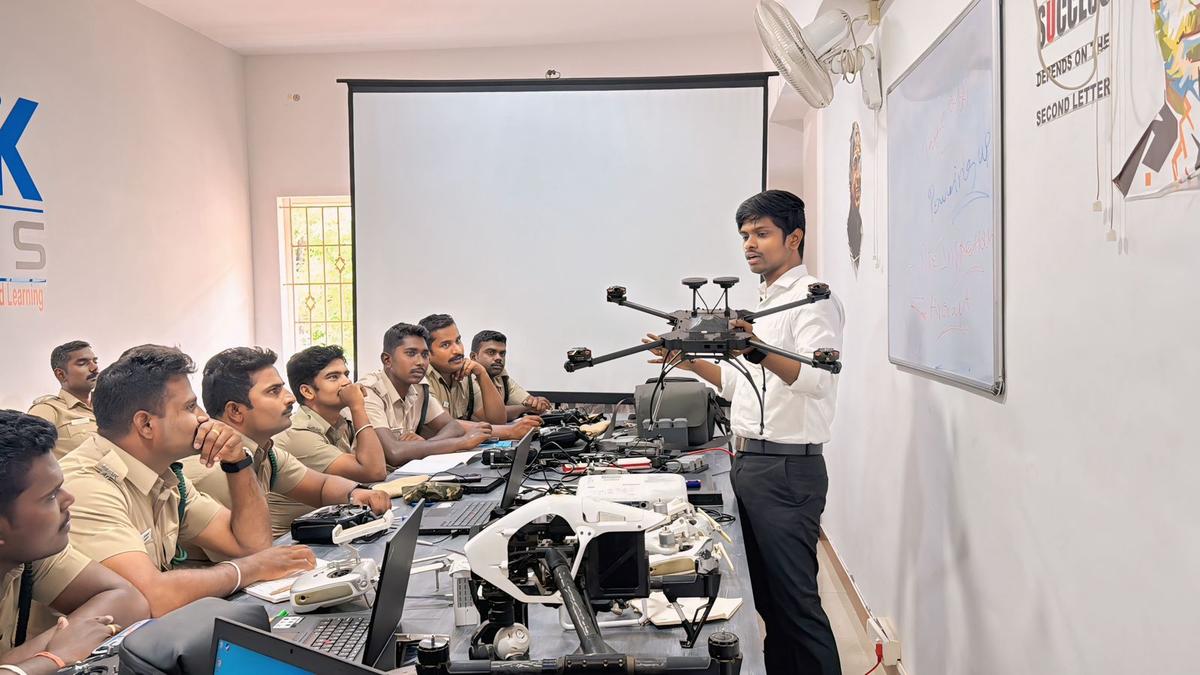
[857, 652]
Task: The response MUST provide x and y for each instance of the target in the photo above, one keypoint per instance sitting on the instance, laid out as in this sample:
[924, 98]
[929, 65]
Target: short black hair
[784, 209]
[23, 438]
[61, 354]
[435, 322]
[304, 365]
[227, 377]
[396, 334]
[136, 381]
[487, 336]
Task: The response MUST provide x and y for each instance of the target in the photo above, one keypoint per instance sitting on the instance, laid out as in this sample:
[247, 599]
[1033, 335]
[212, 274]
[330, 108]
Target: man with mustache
[490, 349]
[75, 366]
[37, 558]
[409, 421]
[242, 388]
[463, 385]
[134, 508]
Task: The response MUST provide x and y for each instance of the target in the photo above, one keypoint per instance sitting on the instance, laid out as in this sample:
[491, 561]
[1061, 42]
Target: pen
[282, 613]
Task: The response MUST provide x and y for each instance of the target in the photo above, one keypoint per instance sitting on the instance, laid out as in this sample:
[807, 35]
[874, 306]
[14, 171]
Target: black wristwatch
[754, 355]
[234, 467]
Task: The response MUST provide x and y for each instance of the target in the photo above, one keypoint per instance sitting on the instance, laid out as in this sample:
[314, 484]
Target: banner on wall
[1165, 156]
[23, 277]
[1070, 39]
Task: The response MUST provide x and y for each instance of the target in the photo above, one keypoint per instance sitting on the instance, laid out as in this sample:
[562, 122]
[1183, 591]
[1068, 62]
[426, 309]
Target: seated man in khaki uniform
[242, 388]
[320, 436]
[134, 507]
[75, 367]
[410, 423]
[463, 386]
[490, 349]
[35, 554]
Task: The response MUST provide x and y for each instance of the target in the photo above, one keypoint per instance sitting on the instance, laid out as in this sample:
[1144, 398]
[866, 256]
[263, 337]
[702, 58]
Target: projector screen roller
[513, 208]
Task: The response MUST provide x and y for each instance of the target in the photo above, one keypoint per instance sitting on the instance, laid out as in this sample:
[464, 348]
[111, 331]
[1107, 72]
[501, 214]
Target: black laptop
[239, 649]
[460, 517]
[365, 636]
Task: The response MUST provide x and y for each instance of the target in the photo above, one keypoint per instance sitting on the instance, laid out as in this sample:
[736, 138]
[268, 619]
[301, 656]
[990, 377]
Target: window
[317, 273]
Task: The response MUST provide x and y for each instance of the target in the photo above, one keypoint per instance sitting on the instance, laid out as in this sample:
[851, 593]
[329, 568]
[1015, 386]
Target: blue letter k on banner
[10, 134]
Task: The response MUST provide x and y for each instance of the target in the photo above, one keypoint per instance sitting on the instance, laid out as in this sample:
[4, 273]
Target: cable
[878, 657]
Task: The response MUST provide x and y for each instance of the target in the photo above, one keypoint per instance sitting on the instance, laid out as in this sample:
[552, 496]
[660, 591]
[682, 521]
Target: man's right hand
[473, 438]
[662, 354]
[275, 563]
[74, 640]
[217, 442]
[351, 395]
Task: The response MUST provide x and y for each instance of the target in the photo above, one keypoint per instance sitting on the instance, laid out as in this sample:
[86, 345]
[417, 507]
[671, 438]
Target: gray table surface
[427, 608]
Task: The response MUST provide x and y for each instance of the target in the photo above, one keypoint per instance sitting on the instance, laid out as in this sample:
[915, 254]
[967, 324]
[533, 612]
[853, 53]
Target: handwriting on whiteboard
[962, 178]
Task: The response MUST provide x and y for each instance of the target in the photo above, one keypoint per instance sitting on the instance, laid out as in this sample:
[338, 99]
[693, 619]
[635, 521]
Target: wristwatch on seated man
[234, 467]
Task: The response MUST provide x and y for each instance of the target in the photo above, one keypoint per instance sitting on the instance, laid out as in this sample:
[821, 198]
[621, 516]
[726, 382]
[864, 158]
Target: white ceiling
[298, 26]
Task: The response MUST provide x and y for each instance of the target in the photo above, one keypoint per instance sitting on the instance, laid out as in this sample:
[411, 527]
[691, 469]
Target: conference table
[427, 609]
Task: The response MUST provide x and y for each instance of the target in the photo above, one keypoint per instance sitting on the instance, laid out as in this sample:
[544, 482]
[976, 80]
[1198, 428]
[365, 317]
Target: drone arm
[582, 615]
[824, 359]
[648, 310]
[572, 366]
[816, 293]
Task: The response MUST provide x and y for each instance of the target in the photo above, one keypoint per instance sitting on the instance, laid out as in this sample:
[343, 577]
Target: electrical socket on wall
[881, 630]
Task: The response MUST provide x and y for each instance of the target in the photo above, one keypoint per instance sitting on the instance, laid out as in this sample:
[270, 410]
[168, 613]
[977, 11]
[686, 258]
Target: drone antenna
[694, 283]
[725, 283]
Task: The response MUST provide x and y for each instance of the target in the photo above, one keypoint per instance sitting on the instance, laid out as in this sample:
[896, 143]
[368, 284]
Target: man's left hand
[742, 324]
[378, 500]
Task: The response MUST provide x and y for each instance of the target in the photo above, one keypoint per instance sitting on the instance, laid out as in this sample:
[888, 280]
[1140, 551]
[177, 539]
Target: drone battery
[318, 526]
[705, 498]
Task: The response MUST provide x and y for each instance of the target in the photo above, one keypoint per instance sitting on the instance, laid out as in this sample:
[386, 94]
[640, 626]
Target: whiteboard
[945, 206]
[512, 206]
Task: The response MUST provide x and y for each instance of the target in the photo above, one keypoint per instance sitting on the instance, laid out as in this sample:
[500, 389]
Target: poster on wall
[1165, 156]
[854, 223]
[22, 215]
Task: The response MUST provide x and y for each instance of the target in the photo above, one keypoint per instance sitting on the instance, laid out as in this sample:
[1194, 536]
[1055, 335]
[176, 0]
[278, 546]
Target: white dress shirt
[801, 412]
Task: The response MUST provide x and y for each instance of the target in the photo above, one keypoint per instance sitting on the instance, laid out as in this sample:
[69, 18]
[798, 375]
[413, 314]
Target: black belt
[756, 446]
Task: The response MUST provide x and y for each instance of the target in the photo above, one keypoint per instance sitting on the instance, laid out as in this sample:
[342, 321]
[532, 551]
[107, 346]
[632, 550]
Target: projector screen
[513, 205]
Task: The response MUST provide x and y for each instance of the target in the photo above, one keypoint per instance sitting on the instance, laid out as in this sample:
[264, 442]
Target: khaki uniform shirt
[387, 410]
[454, 395]
[516, 393]
[73, 418]
[51, 576]
[215, 483]
[315, 442]
[121, 505]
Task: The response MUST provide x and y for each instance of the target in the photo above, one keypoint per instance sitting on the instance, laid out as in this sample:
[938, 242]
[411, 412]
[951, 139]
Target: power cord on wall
[878, 657]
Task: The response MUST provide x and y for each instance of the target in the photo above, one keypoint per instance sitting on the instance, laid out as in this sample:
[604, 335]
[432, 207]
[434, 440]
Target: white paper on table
[663, 615]
[435, 464]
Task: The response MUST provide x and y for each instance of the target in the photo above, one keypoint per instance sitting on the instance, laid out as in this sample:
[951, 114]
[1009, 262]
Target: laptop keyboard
[342, 636]
[471, 513]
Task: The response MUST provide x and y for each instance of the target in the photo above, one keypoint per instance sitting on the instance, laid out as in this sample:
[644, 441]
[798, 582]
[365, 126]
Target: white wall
[139, 150]
[302, 148]
[1051, 531]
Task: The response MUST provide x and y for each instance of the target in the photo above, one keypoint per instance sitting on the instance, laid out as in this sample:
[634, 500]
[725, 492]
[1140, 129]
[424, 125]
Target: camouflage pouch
[432, 492]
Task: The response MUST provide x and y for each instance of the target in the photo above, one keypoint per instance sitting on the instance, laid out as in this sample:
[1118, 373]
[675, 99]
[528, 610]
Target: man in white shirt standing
[779, 471]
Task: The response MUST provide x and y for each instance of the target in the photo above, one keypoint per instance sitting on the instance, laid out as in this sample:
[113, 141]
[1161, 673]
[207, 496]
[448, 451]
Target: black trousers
[780, 501]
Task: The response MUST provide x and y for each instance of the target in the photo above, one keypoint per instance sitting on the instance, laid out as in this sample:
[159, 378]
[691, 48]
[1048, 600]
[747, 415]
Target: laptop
[238, 649]
[365, 636]
[460, 517]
